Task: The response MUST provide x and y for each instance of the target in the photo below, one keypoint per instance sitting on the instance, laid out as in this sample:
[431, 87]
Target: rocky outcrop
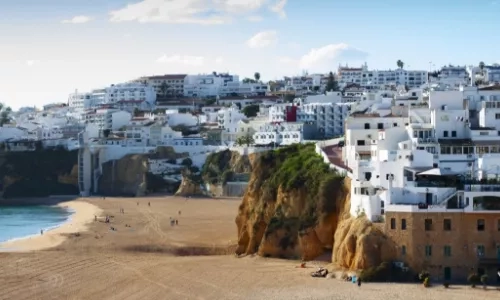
[128, 176]
[190, 185]
[125, 176]
[296, 207]
[39, 173]
[223, 166]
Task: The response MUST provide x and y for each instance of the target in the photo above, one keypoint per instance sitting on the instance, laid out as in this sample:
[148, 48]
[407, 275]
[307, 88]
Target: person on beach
[176, 222]
[137, 203]
[179, 212]
[149, 203]
[95, 218]
[359, 282]
[41, 231]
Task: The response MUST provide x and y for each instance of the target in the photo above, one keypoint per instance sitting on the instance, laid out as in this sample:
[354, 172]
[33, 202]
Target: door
[447, 273]
[428, 198]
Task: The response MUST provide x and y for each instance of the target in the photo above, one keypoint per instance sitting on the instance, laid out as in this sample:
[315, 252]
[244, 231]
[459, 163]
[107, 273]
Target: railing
[482, 188]
[446, 197]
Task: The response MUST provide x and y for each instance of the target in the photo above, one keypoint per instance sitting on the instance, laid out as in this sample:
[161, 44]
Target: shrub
[423, 275]
[427, 282]
[473, 279]
[188, 162]
[484, 279]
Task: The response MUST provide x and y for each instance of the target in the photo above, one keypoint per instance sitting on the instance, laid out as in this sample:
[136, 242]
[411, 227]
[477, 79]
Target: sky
[50, 48]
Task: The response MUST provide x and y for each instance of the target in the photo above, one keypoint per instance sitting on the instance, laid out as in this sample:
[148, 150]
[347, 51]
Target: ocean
[22, 221]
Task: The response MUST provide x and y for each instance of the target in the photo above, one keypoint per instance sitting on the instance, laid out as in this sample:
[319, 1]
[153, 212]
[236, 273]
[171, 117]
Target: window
[393, 223]
[497, 116]
[447, 251]
[428, 224]
[403, 250]
[361, 142]
[480, 250]
[380, 126]
[403, 224]
[428, 250]
[453, 133]
[395, 124]
[447, 225]
[367, 125]
[480, 225]
[445, 133]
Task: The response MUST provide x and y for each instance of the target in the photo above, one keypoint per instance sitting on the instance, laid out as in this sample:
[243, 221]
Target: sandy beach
[83, 215]
[147, 258]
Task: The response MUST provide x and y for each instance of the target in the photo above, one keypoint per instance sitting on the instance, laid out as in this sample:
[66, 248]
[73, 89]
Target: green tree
[209, 102]
[251, 110]
[188, 162]
[248, 80]
[332, 84]
[256, 76]
[400, 63]
[164, 88]
[4, 114]
[246, 140]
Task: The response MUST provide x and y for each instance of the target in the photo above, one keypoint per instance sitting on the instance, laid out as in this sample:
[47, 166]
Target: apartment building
[285, 133]
[169, 85]
[373, 79]
[130, 92]
[453, 76]
[107, 118]
[432, 177]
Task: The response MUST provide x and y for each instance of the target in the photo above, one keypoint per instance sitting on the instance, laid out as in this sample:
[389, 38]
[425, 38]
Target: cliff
[39, 173]
[191, 184]
[129, 175]
[295, 206]
[224, 166]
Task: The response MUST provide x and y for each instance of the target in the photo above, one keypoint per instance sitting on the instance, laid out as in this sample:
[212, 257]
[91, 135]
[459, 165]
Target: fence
[326, 159]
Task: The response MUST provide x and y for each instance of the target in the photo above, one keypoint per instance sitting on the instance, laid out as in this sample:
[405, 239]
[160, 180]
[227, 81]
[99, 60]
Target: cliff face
[125, 176]
[39, 173]
[296, 207]
[129, 175]
[222, 166]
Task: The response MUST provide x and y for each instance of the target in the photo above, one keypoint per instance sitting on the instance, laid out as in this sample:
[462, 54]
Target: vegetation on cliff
[299, 167]
[39, 173]
[221, 167]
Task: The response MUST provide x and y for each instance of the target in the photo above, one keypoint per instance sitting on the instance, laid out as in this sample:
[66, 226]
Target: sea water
[23, 221]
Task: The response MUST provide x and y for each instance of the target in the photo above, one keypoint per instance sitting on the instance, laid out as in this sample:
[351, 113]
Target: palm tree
[4, 114]
[481, 66]
[400, 63]
[256, 76]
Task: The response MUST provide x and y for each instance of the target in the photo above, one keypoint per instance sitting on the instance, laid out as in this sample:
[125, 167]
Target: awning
[438, 172]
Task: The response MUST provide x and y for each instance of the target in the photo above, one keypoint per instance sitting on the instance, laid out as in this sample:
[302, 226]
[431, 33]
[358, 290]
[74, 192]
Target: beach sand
[147, 258]
[83, 215]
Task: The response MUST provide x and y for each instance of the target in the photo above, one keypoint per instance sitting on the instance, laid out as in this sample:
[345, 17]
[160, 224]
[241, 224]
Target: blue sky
[49, 48]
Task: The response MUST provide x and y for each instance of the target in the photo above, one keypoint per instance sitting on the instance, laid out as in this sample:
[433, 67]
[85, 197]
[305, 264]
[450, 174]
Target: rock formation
[296, 207]
[128, 176]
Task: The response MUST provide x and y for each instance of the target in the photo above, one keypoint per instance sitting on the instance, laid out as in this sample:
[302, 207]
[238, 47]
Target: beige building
[450, 246]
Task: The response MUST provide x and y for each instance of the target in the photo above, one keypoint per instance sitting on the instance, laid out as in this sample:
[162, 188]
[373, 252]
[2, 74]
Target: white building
[453, 76]
[107, 118]
[492, 74]
[285, 133]
[130, 92]
[228, 118]
[413, 163]
[374, 79]
[169, 85]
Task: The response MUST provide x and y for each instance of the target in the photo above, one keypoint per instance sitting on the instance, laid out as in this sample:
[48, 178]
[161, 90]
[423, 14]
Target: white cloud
[254, 19]
[205, 12]
[327, 55]
[287, 60]
[182, 59]
[219, 60]
[77, 20]
[263, 39]
[30, 63]
[279, 8]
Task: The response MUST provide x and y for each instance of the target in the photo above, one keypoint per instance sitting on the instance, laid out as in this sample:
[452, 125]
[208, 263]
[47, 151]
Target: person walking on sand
[95, 218]
[359, 282]
[149, 203]
[41, 231]
[176, 222]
